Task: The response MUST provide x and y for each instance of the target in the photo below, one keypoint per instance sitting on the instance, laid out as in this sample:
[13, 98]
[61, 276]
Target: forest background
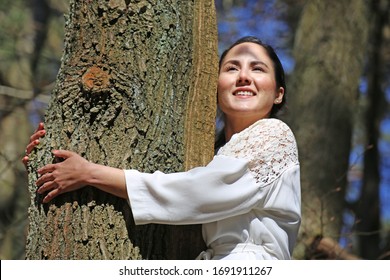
[31, 45]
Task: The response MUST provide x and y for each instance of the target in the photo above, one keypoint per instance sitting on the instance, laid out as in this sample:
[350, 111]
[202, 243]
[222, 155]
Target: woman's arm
[76, 172]
[222, 189]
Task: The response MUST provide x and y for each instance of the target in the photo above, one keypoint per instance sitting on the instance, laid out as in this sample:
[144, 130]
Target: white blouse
[247, 198]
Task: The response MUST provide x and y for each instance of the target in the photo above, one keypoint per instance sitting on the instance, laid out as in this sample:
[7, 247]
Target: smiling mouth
[244, 93]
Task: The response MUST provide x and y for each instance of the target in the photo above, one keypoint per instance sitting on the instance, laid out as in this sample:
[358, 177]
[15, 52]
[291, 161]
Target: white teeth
[244, 93]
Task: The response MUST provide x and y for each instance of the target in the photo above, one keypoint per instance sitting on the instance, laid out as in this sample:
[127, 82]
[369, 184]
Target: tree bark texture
[136, 89]
[329, 49]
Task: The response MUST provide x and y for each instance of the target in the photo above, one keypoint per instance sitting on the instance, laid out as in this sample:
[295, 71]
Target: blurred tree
[135, 90]
[19, 52]
[329, 53]
[367, 209]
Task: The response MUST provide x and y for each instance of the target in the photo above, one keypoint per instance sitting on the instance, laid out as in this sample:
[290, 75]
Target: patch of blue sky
[387, 94]
[385, 124]
[355, 184]
[248, 23]
[353, 193]
[384, 196]
[384, 150]
[363, 86]
[269, 28]
[346, 237]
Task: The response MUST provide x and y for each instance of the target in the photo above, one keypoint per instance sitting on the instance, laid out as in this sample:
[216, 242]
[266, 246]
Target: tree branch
[43, 96]
[329, 249]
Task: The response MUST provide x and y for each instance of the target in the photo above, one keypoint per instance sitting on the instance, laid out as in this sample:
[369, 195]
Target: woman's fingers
[47, 184]
[31, 146]
[28, 150]
[47, 168]
[64, 153]
[65, 176]
[39, 132]
[51, 195]
[43, 184]
[34, 141]
[47, 187]
[40, 126]
[25, 160]
[36, 135]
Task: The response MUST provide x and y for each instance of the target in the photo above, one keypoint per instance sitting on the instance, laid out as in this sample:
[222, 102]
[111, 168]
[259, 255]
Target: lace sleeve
[270, 147]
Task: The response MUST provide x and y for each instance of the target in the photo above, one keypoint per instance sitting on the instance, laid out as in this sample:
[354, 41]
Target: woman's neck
[233, 126]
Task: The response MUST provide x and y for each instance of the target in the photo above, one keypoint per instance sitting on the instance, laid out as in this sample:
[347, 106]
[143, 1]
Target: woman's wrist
[105, 178]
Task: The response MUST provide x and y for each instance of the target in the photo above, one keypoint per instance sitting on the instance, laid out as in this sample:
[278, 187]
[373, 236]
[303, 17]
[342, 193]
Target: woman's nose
[244, 77]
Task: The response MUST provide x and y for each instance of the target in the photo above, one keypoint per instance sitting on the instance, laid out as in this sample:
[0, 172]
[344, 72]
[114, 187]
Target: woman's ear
[279, 96]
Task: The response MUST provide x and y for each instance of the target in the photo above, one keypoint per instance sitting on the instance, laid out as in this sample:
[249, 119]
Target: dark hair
[279, 71]
[279, 78]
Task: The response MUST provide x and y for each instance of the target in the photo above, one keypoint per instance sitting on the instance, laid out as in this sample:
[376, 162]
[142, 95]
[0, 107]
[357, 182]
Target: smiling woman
[247, 88]
[247, 198]
[274, 66]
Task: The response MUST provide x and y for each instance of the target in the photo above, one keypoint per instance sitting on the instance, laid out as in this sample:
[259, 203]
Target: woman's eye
[231, 68]
[258, 69]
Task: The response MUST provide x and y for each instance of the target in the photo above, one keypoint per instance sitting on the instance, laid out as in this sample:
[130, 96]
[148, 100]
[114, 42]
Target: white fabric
[247, 197]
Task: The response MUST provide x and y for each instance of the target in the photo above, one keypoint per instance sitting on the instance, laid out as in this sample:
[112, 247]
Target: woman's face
[246, 84]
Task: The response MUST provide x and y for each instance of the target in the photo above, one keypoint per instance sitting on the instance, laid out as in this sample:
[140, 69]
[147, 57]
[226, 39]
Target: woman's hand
[68, 175]
[34, 141]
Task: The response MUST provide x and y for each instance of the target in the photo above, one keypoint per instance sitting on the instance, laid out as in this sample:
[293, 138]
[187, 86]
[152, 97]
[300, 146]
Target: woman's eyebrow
[232, 61]
[257, 62]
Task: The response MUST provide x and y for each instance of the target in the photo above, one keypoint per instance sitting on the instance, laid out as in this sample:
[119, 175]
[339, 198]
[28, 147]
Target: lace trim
[268, 144]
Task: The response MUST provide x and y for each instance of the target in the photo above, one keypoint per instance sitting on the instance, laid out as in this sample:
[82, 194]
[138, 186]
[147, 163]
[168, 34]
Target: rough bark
[329, 50]
[132, 92]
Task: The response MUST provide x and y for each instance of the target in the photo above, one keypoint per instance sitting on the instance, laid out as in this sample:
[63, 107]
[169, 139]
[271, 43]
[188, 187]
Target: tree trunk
[13, 198]
[16, 74]
[368, 207]
[329, 50]
[132, 92]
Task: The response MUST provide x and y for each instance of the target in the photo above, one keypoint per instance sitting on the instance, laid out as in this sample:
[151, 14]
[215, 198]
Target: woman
[247, 197]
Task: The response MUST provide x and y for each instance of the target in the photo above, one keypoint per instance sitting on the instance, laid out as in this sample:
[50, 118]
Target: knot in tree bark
[95, 79]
